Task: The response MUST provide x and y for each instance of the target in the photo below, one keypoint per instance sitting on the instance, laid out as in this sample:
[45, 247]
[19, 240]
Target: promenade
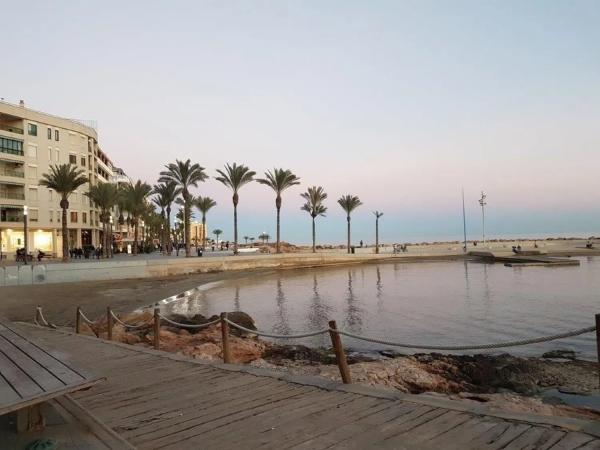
[160, 400]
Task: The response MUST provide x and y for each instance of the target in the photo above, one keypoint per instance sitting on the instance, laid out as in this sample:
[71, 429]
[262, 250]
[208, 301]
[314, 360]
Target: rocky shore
[504, 381]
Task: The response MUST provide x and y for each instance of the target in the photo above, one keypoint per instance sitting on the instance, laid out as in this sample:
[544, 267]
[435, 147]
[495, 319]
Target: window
[32, 151]
[82, 162]
[84, 217]
[33, 215]
[72, 159]
[11, 146]
[32, 195]
[58, 216]
[57, 151]
[32, 172]
[50, 154]
[32, 129]
[56, 137]
[50, 194]
[51, 216]
[50, 133]
[73, 216]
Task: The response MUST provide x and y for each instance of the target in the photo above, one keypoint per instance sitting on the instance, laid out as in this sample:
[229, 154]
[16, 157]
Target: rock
[276, 353]
[196, 319]
[242, 319]
[560, 354]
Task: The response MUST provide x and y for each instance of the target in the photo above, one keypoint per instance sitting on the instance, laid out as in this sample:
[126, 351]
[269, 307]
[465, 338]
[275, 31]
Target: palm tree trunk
[186, 229]
[278, 230]
[235, 230]
[135, 237]
[314, 236]
[376, 235]
[65, 236]
[104, 240]
[203, 231]
[169, 246]
[348, 219]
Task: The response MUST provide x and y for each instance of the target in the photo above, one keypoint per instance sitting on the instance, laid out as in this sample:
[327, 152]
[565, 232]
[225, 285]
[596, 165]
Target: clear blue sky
[399, 102]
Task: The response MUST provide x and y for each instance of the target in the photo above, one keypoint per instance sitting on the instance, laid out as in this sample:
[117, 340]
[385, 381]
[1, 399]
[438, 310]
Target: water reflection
[454, 302]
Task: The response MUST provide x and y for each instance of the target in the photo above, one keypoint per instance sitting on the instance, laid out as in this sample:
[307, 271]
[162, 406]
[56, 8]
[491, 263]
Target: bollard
[156, 329]
[109, 323]
[598, 344]
[78, 321]
[340, 355]
[225, 338]
[37, 319]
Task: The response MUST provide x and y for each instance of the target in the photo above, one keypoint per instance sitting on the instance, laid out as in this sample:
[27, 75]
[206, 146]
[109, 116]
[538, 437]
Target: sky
[403, 103]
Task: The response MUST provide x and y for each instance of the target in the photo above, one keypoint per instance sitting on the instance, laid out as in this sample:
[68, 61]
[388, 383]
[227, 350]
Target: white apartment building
[30, 142]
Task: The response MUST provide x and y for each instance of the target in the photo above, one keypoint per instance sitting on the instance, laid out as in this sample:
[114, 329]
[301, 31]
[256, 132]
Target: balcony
[14, 215]
[8, 172]
[9, 195]
[11, 129]
[11, 146]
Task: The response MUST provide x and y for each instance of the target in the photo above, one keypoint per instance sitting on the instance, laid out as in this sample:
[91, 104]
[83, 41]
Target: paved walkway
[160, 400]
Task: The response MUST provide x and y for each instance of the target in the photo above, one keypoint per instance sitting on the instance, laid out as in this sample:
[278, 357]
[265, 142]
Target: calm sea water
[434, 303]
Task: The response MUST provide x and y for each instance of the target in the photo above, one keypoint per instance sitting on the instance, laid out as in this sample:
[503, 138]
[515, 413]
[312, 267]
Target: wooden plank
[20, 382]
[65, 373]
[574, 440]
[44, 378]
[537, 438]
[432, 429]
[7, 393]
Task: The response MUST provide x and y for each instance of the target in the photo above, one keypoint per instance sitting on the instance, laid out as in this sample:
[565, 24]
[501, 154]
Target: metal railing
[12, 151]
[12, 195]
[11, 129]
[11, 173]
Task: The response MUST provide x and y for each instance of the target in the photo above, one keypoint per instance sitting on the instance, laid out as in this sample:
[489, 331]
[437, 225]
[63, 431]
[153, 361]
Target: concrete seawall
[150, 268]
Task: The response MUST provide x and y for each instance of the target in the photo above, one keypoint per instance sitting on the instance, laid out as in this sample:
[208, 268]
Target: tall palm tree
[314, 196]
[204, 204]
[246, 239]
[217, 232]
[166, 193]
[279, 180]
[135, 201]
[105, 196]
[185, 175]
[349, 203]
[64, 179]
[377, 216]
[234, 177]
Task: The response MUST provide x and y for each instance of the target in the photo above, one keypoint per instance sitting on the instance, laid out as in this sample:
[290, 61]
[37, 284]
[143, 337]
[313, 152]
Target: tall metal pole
[464, 221]
[482, 202]
[25, 233]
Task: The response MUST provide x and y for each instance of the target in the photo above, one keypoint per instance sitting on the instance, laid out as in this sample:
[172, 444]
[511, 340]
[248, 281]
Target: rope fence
[334, 332]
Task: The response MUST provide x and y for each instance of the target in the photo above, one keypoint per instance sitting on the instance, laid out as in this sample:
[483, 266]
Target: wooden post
[598, 344]
[225, 338]
[156, 329]
[340, 355]
[78, 321]
[37, 315]
[109, 323]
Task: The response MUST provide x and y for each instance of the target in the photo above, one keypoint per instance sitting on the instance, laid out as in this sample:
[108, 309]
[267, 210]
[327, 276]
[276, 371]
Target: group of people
[87, 252]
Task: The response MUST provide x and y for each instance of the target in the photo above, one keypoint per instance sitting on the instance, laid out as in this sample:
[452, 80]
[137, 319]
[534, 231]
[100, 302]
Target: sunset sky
[402, 103]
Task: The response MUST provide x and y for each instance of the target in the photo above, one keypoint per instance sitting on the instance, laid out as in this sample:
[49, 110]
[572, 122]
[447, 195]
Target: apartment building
[31, 142]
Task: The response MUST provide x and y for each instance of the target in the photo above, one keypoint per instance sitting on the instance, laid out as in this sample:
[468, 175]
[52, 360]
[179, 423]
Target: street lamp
[25, 233]
[110, 236]
[482, 203]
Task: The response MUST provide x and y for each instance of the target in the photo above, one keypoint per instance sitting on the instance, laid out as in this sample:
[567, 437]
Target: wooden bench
[30, 376]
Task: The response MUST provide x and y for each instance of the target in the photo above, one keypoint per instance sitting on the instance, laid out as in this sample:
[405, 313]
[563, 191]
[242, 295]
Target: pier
[523, 259]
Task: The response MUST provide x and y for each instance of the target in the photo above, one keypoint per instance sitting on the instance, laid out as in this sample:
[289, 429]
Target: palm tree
[185, 175]
[135, 201]
[204, 204]
[217, 232]
[246, 239]
[265, 237]
[314, 197]
[234, 177]
[166, 193]
[279, 180]
[251, 241]
[349, 203]
[105, 196]
[377, 216]
[64, 179]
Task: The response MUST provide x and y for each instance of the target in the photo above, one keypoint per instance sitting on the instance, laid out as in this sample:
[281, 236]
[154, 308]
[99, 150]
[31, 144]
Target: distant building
[31, 142]
[197, 233]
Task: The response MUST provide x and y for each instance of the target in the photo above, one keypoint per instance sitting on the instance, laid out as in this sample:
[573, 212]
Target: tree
[279, 180]
[264, 237]
[234, 177]
[105, 196]
[349, 203]
[166, 193]
[314, 196]
[377, 216]
[136, 205]
[64, 179]
[217, 233]
[185, 175]
[204, 204]
[246, 239]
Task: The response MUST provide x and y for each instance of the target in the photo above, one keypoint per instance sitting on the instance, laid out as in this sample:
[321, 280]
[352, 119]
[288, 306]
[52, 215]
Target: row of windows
[32, 130]
[11, 146]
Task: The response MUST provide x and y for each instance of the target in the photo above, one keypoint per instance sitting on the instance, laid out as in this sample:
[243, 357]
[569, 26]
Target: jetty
[523, 259]
[153, 399]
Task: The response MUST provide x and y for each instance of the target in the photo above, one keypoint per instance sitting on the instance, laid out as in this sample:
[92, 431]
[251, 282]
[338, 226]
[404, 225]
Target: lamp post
[25, 233]
[482, 203]
[110, 236]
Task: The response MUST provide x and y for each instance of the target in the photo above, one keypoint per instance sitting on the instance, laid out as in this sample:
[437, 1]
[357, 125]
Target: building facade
[31, 142]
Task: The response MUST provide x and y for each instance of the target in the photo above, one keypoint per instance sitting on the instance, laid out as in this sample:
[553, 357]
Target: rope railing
[334, 332]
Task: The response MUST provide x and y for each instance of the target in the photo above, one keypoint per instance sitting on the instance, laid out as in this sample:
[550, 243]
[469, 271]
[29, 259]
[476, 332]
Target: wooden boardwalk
[159, 400]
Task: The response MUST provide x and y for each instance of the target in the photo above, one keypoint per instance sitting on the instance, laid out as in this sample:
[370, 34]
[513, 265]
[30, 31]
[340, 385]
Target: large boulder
[241, 318]
[196, 319]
